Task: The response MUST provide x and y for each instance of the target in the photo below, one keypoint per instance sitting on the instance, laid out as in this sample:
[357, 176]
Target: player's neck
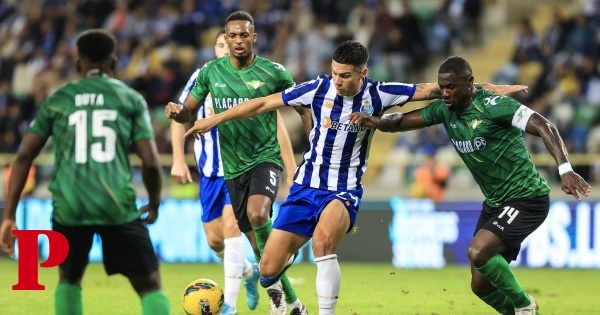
[94, 72]
[241, 63]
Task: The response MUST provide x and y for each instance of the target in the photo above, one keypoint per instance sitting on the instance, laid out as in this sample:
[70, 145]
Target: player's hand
[364, 120]
[572, 184]
[172, 109]
[7, 239]
[182, 172]
[200, 127]
[152, 212]
[508, 89]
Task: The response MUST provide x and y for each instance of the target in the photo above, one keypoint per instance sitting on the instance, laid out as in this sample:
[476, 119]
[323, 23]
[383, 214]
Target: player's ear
[78, 65]
[364, 71]
[254, 36]
[113, 64]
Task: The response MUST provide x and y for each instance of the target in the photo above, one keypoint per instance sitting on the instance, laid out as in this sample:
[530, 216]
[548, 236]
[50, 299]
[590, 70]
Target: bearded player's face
[240, 37]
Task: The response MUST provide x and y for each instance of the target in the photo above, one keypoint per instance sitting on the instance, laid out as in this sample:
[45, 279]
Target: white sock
[233, 264]
[329, 278]
[295, 304]
[248, 270]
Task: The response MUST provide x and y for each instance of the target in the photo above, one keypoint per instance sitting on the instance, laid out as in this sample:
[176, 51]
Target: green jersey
[244, 143]
[92, 122]
[487, 136]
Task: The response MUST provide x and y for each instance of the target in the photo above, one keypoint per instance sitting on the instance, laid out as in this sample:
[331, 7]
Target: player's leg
[263, 184]
[498, 242]
[489, 294]
[67, 298]
[237, 266]
[333, 224]
[127, 250]
[481, 286]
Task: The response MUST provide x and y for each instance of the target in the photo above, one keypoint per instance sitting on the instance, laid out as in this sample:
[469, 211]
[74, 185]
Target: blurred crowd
[160, 43]
[561, 64]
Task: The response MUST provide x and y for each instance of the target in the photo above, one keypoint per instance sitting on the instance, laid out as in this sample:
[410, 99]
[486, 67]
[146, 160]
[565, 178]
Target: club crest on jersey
[366, 107]
[255, 84]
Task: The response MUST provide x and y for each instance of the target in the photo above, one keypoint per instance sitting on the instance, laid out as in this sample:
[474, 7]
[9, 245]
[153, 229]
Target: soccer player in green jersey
[486, 131]
[250, 150]
[93, 121]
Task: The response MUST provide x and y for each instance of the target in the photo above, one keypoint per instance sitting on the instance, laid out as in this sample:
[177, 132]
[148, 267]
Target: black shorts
[513, 221]
[263, 179]
[126, 249]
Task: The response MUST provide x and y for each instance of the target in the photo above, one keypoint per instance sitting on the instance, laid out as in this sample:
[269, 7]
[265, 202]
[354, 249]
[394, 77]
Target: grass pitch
[367, 289]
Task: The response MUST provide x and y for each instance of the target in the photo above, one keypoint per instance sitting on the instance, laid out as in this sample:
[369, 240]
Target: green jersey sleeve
[43, 121]
[201, 88]
[433, 113]
[501, 109]
[142, 126]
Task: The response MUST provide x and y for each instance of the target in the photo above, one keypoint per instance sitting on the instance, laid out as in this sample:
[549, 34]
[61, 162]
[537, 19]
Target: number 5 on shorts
[273, 179]
[510, 212]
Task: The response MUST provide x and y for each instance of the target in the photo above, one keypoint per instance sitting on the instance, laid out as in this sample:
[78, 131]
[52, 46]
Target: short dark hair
[96, 45]
[220, 33]
[240, 16]
[457, 65]
[351, 53]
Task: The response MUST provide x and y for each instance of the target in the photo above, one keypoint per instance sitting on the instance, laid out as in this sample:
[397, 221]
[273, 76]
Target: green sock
[262, 233]
[67, 299]
[498, 272]
[290, 293]
[155, 303]
[500, 303]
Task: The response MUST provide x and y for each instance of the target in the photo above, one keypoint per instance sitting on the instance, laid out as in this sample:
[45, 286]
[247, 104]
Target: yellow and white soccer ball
[203, 297]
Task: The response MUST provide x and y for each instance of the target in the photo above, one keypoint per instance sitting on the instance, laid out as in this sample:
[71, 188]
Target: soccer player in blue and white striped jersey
[325, 197]
[220, 225]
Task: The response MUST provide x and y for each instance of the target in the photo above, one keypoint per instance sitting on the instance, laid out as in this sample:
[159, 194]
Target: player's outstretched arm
[390, 122]
[287, 153]
[29, 149]
[570, 182]
[430, 91]
[179, 169]
[151, 175]
[244, 110]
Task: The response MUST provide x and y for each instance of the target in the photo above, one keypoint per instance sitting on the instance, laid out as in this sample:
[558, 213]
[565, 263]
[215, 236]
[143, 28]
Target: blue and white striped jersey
[207, 149]
[338, 152]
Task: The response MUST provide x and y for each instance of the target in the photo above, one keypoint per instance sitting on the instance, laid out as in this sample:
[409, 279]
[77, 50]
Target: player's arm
[306, 116]
[29, 149]
[390, 122]
[571, 182]
[179, 169]
[151, 175]
[287, 153]
[242, 111]
[430, 91]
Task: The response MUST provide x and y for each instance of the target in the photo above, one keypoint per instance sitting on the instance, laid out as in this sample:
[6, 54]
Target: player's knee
[145, 284]
[216, 243]
[477, 255]
[267, 267]
[323, 245]
[257, 216]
